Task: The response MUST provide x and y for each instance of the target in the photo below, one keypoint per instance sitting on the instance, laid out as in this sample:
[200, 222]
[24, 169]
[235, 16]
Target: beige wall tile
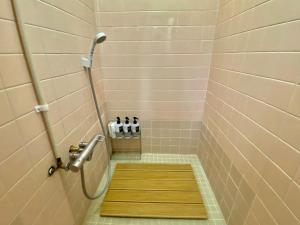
[283, 155]
[291, 198]
[155, 41]
[38, 148]
[30, 125]
[15, 167]
[251, 105]
[42, 166]
[6, 11]
[33, 208]
[13, 70]
[23, 190]
[251, 219]
[289, 129]
[8, 209]
[276, 178]
[11, 139]
[59, 33]
[279, 65]
[297, 176]
[47, 217]
[6, 113]
[48, 90]
[280, 212]
[64, 217]
[9, 41]
[22, 99]
[294, 107]
[262, 215]
[1, 84]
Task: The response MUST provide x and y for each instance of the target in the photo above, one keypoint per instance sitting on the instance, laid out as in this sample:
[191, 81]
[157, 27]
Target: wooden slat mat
[154, 191]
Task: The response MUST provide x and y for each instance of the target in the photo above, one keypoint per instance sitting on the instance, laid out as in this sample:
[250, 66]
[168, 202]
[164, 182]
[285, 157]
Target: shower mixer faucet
[83, 152]
[75, 151]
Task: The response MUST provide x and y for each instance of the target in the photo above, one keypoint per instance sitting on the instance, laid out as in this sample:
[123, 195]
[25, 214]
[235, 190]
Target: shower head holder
[86, 62]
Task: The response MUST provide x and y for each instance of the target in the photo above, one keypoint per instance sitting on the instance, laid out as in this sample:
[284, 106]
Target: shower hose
[83, 184]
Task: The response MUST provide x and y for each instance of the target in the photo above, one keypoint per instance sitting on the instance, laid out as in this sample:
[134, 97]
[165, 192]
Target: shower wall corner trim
[34, 77]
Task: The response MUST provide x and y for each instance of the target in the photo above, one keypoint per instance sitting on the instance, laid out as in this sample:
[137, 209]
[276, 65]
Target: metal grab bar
[77, 164]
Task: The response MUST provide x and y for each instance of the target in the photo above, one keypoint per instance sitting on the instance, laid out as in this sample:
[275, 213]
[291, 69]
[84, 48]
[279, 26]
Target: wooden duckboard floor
[154, 191]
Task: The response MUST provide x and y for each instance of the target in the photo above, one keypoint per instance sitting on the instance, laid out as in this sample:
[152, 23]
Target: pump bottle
[127, 128]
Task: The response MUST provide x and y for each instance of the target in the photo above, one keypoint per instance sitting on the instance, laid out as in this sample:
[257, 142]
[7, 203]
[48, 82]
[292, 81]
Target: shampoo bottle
[135, 127]
[119, 130]
[127, 128]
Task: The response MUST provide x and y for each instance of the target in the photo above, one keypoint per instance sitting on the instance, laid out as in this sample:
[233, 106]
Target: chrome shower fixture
[84, 151]
[88, 61]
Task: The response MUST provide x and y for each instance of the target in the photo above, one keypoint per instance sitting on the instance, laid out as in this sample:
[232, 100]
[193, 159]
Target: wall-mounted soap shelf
[127, 147]
[131, 137]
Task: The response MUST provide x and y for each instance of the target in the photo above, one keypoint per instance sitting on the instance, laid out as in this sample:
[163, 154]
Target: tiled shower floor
[214, 213]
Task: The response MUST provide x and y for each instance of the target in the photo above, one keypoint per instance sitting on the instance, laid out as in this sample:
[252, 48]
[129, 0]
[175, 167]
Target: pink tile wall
[252, 111]
[155, 65]
[156, 59]
[177, 137]
[59, 33]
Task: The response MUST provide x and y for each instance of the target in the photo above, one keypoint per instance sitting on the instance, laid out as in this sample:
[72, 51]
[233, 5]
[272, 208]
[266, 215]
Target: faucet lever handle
[83, 144]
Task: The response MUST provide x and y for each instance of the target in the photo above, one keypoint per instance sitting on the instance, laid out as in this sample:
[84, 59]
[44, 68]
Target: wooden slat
[153, 196]
[153, 166]
[155, 191]
[154, 175]
[162, 185]
[154, 210]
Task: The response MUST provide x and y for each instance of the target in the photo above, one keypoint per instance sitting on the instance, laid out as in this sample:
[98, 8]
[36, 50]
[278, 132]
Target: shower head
[100, 37]
[87, 61]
